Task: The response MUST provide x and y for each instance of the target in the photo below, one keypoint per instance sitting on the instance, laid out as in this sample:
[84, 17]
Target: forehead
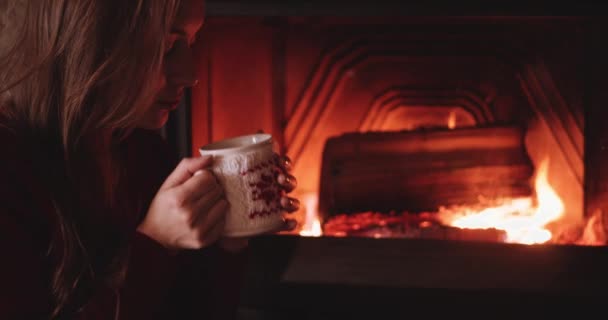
[190, 16]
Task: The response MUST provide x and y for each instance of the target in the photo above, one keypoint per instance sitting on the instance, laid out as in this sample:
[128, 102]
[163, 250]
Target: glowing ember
[312, 224]
[519, 218]
[452, 120]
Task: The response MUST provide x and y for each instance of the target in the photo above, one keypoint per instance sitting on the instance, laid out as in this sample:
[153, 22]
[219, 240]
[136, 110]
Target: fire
[522, 220]
[452, 120]
[312, 224]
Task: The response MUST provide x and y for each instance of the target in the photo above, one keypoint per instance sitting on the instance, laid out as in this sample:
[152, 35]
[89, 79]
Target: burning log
[422, 170]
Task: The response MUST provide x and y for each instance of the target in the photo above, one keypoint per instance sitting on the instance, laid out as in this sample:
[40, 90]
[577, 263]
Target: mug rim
[215, 148]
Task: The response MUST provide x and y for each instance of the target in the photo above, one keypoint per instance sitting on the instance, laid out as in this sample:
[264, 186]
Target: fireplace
[424, 137]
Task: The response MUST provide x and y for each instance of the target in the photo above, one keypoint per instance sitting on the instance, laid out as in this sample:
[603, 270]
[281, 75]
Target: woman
[91, 212]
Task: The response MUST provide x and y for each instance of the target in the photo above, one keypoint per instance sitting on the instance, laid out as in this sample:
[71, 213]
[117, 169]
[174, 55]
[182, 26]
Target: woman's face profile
[178, 65]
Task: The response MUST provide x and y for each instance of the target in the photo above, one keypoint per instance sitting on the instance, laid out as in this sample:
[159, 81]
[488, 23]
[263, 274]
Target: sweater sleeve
[149, 276]
[225, 281]
[24, 285]
[200, 283]
[152, 268]
[26, 270]
[208, 283]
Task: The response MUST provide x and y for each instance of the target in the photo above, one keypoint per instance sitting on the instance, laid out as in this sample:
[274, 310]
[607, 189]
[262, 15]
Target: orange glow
[312, 223]
[452, 120]
[522, 220]
[594, 233]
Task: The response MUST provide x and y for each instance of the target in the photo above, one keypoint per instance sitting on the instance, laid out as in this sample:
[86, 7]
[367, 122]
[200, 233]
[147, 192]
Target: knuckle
[185, 162]
[206, 177]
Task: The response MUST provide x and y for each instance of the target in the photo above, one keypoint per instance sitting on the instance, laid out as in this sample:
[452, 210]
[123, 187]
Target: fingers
[201, 183]
[208, 222]
[214, 234]
[185, 170]
[284, 162]
[287, 182]
[290, 204]
[290, 224]
[202, 205]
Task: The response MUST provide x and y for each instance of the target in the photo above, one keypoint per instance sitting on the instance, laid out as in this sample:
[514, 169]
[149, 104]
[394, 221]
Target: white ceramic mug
[245, 167]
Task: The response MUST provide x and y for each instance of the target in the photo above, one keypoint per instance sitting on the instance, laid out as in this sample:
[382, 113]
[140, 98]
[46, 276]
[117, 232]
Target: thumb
[185, 170]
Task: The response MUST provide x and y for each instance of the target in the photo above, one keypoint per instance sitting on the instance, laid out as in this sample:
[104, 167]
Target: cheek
[160, 82]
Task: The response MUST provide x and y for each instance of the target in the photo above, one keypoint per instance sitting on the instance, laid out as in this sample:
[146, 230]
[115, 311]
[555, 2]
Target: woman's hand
[288, 183]
[189, 210]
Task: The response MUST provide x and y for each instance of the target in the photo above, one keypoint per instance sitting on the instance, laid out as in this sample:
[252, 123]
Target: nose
[179, 67]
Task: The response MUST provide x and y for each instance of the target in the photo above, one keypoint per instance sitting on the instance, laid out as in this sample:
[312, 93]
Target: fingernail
[294, 202]
[287, 163]
[291, 224]
[285, 179]
[291, 180]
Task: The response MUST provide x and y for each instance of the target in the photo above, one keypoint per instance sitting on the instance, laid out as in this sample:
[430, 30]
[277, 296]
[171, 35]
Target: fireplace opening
[456, 158]
[503, 96]
[475, 183]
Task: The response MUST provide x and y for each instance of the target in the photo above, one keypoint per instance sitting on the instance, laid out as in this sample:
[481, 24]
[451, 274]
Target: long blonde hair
[83, 64]
[80, 68]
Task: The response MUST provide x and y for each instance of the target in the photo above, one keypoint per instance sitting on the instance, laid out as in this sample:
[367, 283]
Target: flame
[452, 120]
[312, 223]
[594, 233]
[519, 218]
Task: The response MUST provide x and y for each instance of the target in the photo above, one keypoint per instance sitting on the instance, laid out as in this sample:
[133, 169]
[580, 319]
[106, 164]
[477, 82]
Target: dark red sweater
[197, 284]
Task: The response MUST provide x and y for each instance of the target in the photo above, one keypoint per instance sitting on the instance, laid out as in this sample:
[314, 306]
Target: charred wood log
[422, 170]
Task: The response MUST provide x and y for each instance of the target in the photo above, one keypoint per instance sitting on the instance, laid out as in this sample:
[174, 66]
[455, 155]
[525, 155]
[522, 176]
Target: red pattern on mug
[264, 188]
